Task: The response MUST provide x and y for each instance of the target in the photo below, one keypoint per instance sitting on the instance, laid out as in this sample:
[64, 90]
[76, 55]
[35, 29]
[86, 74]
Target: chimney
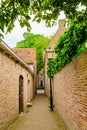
[59, 32]
[61, 23]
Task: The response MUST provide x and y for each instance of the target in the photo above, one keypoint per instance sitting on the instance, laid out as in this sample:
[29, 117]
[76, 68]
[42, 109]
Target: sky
[16, 34]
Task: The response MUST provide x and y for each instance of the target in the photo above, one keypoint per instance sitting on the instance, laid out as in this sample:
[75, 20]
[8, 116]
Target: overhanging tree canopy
[10, 10]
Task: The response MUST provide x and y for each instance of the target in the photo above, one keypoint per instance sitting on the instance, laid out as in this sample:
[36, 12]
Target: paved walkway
[39, 117]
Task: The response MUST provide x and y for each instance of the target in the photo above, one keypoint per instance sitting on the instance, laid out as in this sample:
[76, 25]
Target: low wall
[70, 93]
[10, 71]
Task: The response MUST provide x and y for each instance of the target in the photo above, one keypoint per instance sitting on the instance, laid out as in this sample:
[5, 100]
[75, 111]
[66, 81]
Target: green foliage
[10, 10]
[37, 41]
[40, 88]
[51, 69]
[70, 45]
[48, 10]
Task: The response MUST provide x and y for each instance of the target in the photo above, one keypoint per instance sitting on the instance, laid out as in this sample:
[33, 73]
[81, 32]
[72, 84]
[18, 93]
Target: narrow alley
[39, 117]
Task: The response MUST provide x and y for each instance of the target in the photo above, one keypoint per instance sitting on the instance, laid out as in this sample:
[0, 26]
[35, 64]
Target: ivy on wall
[70, 45]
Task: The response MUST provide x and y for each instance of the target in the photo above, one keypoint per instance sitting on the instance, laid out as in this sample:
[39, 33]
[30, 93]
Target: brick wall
[59, 32]
[9, 88]
[47, 81]
[70, 93]
[29, 57]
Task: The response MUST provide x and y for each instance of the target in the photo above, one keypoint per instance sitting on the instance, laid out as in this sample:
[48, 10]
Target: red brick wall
[70, 93]
[9, 89]
[29, 59]
[59, 32]
[47, 81]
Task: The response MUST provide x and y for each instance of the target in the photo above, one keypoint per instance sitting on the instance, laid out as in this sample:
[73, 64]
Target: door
[20, 94]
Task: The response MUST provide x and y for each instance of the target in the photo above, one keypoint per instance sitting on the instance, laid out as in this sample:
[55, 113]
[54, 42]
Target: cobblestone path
[39, 117]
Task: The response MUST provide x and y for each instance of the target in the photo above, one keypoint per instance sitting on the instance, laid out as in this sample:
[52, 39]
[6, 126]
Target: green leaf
[35, 41]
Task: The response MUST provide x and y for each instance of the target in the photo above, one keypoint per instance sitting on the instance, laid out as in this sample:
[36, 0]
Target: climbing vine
[51, 69]
[71, 44]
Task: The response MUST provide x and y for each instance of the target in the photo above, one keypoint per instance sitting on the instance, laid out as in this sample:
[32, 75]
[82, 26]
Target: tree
[48, 10]
[37, 41]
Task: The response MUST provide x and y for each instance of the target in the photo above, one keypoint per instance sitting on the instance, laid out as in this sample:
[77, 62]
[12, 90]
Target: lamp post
[50, 54]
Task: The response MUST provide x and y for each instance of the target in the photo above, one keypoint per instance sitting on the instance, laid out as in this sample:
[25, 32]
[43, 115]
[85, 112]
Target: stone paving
[39, 117]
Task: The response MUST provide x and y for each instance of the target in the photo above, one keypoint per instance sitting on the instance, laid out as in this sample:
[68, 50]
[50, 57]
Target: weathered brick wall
[9, 89]
[29, 57]
[70, 93]
[47, 81]
[59, 32]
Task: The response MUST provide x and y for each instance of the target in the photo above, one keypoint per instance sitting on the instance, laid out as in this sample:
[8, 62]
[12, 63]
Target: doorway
[20, 94]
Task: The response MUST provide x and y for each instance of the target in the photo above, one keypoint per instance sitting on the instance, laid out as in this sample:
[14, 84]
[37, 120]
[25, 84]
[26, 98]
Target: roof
[7, 50]
[27, 54]
[59, 32]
